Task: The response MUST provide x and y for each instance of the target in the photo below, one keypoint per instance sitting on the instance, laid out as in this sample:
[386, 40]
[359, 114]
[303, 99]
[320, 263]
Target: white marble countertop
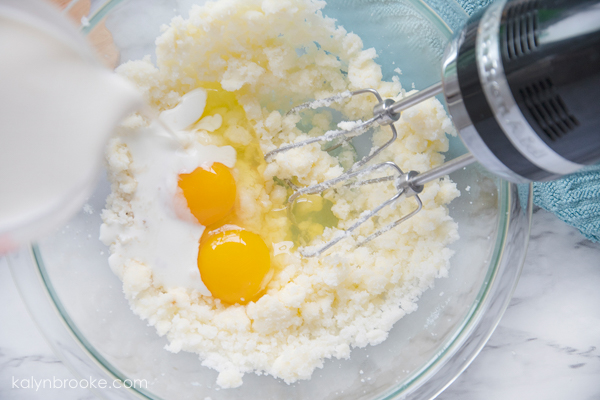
[547, 346]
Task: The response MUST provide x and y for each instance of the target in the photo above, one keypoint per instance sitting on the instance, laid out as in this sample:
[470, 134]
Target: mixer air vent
[521, 28]
[548, 109]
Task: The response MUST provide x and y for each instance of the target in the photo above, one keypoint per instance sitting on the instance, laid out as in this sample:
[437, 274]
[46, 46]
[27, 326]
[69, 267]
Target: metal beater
[386, 112]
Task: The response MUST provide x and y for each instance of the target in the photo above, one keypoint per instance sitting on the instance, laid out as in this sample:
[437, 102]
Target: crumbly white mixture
[266, 53]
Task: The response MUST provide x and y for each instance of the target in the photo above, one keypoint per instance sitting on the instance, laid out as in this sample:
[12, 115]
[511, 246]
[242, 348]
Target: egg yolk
[210, 194]
[235, 265]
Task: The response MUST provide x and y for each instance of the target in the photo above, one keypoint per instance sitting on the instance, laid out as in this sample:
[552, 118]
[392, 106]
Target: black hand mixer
[522, 84]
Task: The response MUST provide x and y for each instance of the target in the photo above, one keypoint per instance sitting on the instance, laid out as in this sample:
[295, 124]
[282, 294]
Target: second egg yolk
[235, 265]
[210, 194]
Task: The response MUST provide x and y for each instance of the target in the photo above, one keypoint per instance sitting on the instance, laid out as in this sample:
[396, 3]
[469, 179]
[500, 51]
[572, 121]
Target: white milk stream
[58, 106]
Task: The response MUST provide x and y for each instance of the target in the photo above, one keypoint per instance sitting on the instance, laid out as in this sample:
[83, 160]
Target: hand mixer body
[522, 83]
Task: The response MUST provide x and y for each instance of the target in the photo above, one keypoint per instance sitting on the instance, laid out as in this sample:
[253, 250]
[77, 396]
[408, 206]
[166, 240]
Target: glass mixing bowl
[79, 306]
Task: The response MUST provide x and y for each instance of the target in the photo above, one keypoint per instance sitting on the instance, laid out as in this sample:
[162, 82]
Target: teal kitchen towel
[470, 6]
[574, 199]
